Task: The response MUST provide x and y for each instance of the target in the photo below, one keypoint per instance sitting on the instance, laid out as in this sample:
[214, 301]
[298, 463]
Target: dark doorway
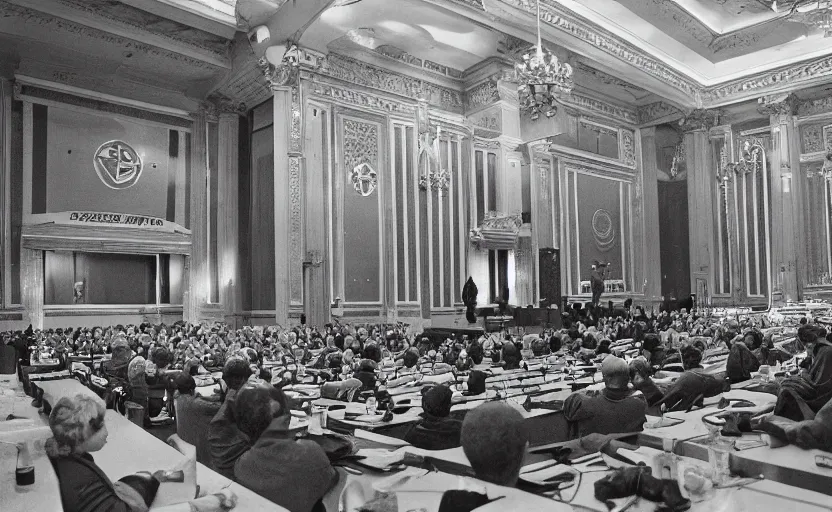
[674, 241]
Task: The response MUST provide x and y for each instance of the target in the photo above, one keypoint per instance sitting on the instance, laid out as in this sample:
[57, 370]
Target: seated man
[226, 442]
[494, 441]
[801, 396]
[435, 431]
[293, 474]
[193, 416]
[615, 409]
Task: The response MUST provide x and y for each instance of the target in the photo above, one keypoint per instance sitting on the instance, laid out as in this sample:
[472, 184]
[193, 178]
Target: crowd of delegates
[243, 431]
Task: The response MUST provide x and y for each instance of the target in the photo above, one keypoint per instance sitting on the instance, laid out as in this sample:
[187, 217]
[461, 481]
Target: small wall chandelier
[825, 170]
[542, 79]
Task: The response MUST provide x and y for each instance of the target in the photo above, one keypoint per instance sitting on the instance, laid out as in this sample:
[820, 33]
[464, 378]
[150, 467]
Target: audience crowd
[243, 430]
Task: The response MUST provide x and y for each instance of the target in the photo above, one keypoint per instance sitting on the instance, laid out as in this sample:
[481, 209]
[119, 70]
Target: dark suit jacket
[226, 443]
[293, 474]
[84, 487]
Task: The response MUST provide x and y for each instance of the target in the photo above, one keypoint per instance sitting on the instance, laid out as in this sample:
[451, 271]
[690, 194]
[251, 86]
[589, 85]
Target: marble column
[282, 130]
[701, 211]
[785, 213]
[651, 285]
[197, 292]
[227, 230]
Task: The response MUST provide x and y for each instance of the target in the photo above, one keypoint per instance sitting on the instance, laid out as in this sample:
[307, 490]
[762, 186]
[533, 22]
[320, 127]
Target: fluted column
[651, 285]
[700, 199]
[282, 124]
[196, 294]
[785, 212]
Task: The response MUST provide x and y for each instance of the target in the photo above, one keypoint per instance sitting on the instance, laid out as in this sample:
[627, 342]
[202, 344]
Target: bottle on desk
[24, 472]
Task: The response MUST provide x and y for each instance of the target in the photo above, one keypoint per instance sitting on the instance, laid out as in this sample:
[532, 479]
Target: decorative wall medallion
[364, 179]
[117, 164]
[603, 229]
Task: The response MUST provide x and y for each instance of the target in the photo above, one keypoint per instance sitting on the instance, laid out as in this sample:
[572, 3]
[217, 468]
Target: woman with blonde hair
[79, 428]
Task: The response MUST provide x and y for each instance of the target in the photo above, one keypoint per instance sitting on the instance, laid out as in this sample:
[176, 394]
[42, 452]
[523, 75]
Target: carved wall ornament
[361, 154]
[608, 79]
[812, 139]
[278, 76]
[360, 73]
[590, 105]
[482, 95]
[782, 104]
[827, 138]
[699, 119]
[364, 179]
[295, 132]
[655, 111]
[296, 230]
[603, 230]
[628, 148]
[817, 106]
[361, 99]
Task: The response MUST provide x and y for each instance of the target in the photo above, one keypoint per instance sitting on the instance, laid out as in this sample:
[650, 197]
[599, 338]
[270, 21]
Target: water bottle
[24, 473]
[372, 404]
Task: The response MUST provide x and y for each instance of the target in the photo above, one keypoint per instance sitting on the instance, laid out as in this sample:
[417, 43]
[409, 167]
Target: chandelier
[542, 79]
[825, 170]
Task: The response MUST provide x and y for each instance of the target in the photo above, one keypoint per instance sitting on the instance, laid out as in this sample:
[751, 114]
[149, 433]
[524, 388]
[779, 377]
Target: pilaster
[282, 124]
[31, 281]
[700, 200]
[651, 286]
[227, 231]
[785, 201]
[197, 292]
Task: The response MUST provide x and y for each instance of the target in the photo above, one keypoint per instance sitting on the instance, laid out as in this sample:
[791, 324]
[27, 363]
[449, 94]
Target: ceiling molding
[583, 102]
[356, 72]
[127, 21]
[27, 15]
[657, 113]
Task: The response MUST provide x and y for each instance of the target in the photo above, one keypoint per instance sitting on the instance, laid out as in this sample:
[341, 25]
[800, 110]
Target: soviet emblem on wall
[603, 229]
[117, 164]
[364, 179]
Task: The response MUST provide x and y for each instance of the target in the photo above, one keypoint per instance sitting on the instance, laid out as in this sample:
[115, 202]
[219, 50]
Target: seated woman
[435, 431]
[294, 474]
[79, 428]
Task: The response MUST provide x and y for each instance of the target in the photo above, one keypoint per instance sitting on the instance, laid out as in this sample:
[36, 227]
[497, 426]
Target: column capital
[778, 105]
[222, 104]
[700, 120]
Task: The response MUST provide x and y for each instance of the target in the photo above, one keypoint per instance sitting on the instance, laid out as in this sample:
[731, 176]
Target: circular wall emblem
[117, 164]
[603, 229]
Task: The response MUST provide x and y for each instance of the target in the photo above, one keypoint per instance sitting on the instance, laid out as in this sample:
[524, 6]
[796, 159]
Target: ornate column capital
[778, 105]
[699, 120]
[225, 105]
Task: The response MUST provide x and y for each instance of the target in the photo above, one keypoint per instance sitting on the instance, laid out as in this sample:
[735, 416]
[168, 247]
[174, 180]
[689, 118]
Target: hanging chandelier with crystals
[542, 79]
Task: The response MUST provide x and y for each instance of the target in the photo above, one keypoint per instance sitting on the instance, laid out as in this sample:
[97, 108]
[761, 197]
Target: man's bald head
[616, 372]
[494, 440]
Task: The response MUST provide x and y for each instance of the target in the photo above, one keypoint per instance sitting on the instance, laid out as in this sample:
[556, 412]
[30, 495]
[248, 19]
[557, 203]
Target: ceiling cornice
[28, 15]
[560, 21]
[178, 38]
